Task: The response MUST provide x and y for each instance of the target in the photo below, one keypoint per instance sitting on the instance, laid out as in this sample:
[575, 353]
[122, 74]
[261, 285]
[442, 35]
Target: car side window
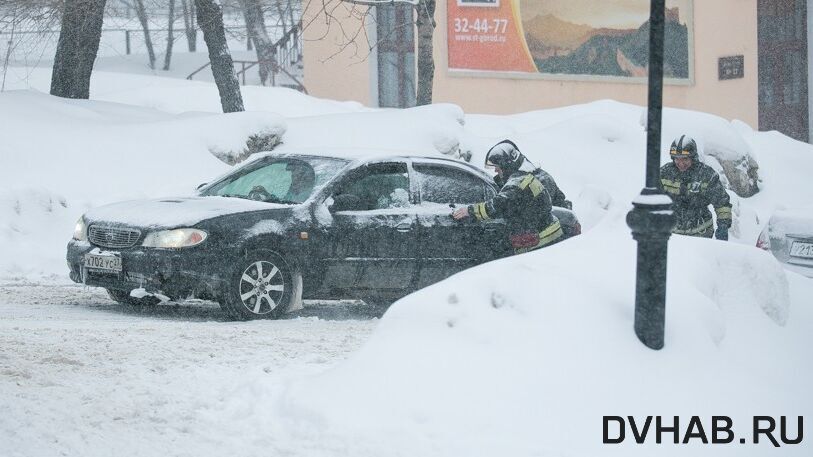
[379, 186]
[440, 184]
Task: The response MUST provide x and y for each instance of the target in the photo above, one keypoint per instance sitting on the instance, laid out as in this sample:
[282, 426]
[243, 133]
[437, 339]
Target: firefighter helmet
[505, 155]
[684, 146]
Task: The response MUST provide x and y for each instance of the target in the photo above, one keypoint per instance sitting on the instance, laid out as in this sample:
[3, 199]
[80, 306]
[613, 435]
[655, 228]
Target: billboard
[578, 39]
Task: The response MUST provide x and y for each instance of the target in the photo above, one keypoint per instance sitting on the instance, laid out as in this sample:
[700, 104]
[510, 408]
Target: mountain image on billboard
[608, 38]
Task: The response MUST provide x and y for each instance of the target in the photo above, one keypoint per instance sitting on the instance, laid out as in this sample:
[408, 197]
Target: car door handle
[404, 227]
[491, 228]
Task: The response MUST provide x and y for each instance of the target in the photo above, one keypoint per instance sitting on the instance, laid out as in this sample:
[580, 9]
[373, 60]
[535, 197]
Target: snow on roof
[352, 153]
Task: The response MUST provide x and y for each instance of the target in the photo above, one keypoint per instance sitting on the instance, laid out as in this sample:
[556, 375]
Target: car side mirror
[345, 202]
[201, 186]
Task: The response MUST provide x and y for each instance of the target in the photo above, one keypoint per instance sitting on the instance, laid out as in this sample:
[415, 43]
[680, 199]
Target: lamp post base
[651, 221]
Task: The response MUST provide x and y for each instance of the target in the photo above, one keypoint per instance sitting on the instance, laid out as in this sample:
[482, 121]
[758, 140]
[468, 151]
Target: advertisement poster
[579, 38]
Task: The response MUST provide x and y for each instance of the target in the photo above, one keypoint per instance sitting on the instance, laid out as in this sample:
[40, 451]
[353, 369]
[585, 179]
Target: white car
[789, 237]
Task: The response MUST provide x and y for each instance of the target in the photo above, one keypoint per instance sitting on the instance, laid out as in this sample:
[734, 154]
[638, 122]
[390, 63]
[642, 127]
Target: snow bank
[421, 130]
[177, 96]
[62, 157]
[524, 356]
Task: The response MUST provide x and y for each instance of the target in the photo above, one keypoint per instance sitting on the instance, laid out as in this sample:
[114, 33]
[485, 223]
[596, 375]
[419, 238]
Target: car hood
[174, 212]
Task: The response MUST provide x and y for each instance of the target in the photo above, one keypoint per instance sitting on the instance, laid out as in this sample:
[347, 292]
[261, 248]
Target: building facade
[739, 59]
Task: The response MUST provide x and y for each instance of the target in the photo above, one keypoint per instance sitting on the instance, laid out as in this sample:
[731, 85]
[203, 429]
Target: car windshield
[278, 180]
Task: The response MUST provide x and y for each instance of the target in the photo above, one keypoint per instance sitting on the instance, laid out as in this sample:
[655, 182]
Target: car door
[372, 243]
[448, 246]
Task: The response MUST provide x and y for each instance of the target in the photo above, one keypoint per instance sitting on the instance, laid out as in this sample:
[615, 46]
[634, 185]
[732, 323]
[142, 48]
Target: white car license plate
[799, 249]
[103, 262]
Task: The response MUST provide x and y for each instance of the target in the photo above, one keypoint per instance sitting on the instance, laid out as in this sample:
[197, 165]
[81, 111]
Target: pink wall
[336, 56]
[721, 28]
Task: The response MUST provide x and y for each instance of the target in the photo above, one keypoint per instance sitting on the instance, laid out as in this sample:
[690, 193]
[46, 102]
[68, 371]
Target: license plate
[799, 249]
[103, 262]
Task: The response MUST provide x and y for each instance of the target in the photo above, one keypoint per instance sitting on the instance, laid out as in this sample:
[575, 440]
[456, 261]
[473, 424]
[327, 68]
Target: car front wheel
[261, 287]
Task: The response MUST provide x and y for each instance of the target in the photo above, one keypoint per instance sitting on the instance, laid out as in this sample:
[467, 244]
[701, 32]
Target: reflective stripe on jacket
[692, 192]
[523, 202]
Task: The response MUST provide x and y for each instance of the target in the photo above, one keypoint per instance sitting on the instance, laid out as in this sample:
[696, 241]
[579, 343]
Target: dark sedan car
[290, 226]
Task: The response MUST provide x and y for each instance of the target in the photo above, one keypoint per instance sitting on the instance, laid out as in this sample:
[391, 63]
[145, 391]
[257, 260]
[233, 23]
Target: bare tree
[210, 20]
[290, 8]
[425, 23]
[258, 33]
[170, 34]
[12, 17]
[34, 19]
[141, 12]
[77, 47]
[283, 21]
[189, 24]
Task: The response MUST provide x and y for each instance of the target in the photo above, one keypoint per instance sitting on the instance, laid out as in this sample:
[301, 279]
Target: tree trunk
[142, 18]
[255, 24]
[77, 47]
[426, 62]
[281, 13]
[170, 35]
[249, 33]
[291, 12]
[210, 20]
[189, 24]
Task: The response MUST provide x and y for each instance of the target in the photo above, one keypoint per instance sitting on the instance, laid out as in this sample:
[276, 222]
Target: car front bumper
[175, 273]
[802, 269]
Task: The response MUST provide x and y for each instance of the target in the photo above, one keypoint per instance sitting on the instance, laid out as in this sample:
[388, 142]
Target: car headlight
[178, 238]
[80, 231]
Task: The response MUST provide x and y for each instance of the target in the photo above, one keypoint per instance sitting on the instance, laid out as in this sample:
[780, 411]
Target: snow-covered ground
[82, 376]
[519, 357]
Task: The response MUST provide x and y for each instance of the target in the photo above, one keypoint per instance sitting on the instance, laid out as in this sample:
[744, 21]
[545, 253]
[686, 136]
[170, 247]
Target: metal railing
[287, 53]
[131, 35]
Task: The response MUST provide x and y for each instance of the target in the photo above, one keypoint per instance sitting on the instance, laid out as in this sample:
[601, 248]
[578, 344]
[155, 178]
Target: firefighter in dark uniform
[523, 201]
[694, 186]
[557, 197]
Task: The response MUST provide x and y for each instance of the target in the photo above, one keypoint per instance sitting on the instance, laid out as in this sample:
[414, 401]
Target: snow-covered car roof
[360, 155]
[352, 154]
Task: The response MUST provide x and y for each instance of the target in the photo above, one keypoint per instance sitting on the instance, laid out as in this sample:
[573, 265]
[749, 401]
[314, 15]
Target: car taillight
[764, 241]
[577, 229]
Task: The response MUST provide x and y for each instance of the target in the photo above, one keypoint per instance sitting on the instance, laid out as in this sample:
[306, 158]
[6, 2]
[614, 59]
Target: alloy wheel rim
[261, 287]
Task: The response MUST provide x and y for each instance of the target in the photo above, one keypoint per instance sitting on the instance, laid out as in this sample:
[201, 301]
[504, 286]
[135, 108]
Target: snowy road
[80, 375]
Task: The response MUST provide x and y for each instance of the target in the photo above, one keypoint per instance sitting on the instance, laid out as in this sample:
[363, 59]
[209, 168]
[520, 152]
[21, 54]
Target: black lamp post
[651, 218]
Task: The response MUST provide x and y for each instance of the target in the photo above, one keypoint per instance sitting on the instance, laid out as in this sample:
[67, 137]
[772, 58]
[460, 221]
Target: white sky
[604, 13]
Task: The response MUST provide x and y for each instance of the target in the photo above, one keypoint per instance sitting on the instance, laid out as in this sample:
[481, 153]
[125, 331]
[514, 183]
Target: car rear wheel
[261, 287]
[123, 297]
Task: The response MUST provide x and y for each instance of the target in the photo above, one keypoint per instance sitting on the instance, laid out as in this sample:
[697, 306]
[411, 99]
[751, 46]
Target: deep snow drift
[524, 356]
